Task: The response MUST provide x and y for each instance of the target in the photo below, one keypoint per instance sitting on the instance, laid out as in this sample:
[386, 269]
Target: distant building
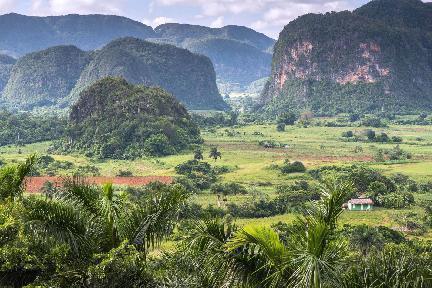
[360, 204]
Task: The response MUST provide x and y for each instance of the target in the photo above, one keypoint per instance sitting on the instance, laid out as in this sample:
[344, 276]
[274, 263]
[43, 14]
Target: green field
[251, 164]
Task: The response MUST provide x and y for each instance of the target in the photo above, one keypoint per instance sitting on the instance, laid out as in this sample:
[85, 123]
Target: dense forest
[25, 128]
[6, 64]
[53, 78]
[44, 78]
[115, 119]
[189, 77]
[90, 32]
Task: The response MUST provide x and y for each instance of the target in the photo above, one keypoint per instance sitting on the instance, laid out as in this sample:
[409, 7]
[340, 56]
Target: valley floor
[251, 164]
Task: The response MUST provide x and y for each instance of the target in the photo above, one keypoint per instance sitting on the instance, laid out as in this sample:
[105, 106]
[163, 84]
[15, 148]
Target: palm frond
[12, 178]
[269, 256]
[148, 224]
[54, 219]
[79, 193]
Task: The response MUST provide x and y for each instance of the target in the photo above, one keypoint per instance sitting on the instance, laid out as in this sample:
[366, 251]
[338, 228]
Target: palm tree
[311, 257]
[198, 154]
[91, 220]
[12, 179]
[214, 153]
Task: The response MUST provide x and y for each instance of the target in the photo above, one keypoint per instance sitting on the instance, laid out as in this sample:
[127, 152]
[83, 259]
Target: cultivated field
[251, 164]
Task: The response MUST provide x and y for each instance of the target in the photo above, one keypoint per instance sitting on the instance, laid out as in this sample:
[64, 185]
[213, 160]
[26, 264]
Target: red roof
[361, 201]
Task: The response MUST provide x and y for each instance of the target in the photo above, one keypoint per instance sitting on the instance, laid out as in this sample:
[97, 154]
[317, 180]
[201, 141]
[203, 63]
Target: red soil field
[34, 184]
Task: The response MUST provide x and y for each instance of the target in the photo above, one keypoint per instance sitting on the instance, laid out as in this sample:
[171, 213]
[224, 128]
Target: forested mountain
[234, 62]
[6, 64]
[378, 57]
[240, 55]
[44, 78]
[22, 34]
[189, 77]
[246, 53]
[183, 33]
[54, 77]
[115, 119]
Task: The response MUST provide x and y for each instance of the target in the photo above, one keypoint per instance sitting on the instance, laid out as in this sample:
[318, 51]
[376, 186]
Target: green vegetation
[240, 55]
[315, 60]
[248, 198]
[23, 128]
[189, 77]
[260, 216]
[44, 78]
[115, 119]
[6, 64]
[234, 61]
[54, 77]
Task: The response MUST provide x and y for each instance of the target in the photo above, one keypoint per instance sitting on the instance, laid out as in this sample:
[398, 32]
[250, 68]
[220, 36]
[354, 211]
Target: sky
[266, 16]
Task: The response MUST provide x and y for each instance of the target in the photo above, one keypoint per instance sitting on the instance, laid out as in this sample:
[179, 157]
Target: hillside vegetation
[24, 34]
[189, 77]
[240, 55]
[6, 64]
[44, 78]
[115, 119]
[361, 60]
[54, 77]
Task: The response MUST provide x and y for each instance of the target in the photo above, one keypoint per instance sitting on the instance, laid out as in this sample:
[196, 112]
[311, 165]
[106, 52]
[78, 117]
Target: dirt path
[34, 184]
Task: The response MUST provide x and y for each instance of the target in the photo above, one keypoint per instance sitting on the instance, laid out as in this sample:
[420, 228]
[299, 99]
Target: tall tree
[215, 153]
[12, 179]
[198, 154]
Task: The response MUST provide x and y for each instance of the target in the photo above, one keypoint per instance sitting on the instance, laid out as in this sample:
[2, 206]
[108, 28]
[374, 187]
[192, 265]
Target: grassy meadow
[251, 164]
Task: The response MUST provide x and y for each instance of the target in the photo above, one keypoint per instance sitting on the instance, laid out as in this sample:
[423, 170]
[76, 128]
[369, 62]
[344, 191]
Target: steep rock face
[24, 34]
[6, 64]
[115, 119]
[345, 61]
[44, 78]
[189, 77]
[240, 55]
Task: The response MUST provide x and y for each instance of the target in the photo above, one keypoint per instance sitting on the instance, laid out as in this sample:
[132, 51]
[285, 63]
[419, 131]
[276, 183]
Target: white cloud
[218, 22]
[162, 20]
[158, 21]
[282, 13]
[6, 5]
[59, 7]
[265, 15]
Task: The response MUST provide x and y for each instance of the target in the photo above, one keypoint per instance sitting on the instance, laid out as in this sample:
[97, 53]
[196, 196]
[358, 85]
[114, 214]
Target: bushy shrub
[373, 122]
[398, 154]
[294, 167]
[88, 170]
[383, 138]
[360, 176]
[231, 188]
[396, 200]
[124, 173]
[287, 118]
[271, 144]
[200, 173]
[196, 211]
[280, 127]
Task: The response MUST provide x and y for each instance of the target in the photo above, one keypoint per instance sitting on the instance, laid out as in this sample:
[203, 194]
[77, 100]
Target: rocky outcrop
[346, 61]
